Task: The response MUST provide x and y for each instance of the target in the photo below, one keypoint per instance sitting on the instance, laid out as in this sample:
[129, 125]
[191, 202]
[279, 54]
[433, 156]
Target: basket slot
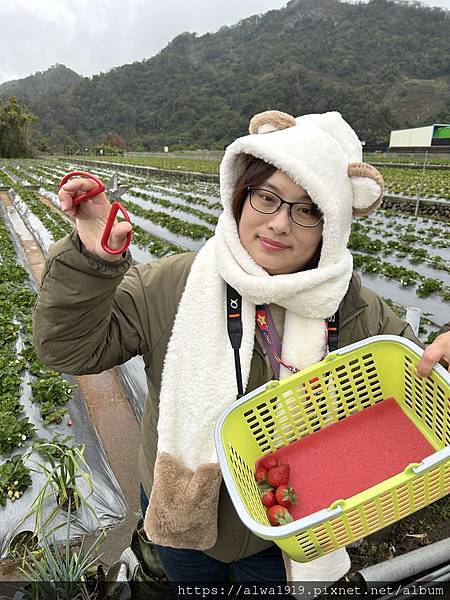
[427, 400]
[355, 528]
[365, 526]
[358, 384]
[247, 486]
[291, 415]
[309, 545]
[374, 514]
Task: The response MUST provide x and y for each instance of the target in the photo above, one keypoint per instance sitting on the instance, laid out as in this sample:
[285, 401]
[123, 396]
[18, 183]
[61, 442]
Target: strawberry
[278, 475]
[285, 495]
[278, 515]
[268, 462]
[268, 497]
[261, 474]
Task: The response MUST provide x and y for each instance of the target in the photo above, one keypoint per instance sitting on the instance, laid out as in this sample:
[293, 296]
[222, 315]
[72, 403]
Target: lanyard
[234, 327]
[272, 340]
[268, 331]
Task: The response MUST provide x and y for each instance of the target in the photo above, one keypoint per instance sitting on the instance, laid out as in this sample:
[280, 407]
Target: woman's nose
[280, 221]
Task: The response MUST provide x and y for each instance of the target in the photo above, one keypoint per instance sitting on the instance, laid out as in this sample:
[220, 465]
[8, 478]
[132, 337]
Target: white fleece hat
[322, 154]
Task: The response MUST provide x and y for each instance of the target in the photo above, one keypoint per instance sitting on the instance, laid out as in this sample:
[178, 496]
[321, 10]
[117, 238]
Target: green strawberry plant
[429, 286]
[14, 479]
[51, 388]
[9, 404]
[10, 369]
[52, 414]
[14, 432]
[173, 224]
[155, 245]
[51, 392]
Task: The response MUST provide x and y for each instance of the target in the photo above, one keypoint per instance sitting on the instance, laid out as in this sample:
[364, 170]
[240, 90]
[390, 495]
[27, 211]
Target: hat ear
[270, 120]
[368, 188]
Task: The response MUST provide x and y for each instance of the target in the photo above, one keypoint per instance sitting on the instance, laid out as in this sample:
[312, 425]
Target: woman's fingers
[119, 234]
[438, 350]
[74, 188]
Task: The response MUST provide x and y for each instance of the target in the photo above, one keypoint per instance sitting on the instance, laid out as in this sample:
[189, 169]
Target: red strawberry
[278, 515]
[268, 462]
[261, 474]
[278, 475]
[268, 497]
[285, 495]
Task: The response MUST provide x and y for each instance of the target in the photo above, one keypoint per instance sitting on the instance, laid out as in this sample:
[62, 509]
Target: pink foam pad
[352, 455]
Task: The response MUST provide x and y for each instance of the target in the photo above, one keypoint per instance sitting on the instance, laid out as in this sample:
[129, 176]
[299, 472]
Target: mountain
[56, 79]
[383, 65]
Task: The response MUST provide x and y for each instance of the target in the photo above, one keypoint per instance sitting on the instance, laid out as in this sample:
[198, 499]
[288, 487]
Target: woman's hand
[91, 216]
[440, 348]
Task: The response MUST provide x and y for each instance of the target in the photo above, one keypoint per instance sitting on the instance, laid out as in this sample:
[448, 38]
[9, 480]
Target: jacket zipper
[354, 315]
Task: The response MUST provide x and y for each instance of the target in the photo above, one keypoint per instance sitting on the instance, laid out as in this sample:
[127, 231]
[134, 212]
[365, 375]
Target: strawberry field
[50, 457]
[434, 183]
[404, 259]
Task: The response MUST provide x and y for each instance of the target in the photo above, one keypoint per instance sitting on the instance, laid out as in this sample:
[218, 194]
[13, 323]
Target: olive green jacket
[92, 315]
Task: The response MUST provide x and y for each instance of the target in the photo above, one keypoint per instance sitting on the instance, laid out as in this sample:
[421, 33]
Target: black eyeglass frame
[250, 189]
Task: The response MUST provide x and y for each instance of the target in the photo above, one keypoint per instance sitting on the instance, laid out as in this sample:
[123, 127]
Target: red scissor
[116, 206]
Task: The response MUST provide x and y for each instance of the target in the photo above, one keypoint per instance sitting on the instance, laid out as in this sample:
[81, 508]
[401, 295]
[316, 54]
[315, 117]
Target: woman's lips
[271, 244]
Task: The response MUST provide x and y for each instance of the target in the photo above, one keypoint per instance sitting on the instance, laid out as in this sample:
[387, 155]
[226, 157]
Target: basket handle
[334, 510]
[428, 462]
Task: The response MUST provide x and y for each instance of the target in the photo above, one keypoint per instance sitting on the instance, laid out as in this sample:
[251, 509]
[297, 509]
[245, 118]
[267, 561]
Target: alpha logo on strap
[234, 303]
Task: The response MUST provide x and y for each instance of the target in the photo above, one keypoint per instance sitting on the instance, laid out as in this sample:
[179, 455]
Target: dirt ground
[424, 527]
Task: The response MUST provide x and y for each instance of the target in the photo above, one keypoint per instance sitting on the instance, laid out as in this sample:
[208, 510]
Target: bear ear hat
[368, 188]
[367, 181]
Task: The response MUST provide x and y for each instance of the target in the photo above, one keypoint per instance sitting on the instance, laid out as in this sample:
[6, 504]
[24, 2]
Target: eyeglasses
[302, 213]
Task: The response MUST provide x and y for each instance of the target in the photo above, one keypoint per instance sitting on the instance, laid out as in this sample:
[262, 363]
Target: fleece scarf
[199, 378]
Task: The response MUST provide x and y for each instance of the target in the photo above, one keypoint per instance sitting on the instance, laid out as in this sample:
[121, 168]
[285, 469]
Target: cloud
[90, 37]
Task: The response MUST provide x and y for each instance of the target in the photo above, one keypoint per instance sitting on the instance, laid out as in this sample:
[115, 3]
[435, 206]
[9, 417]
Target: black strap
[333, 331]
[234, 326]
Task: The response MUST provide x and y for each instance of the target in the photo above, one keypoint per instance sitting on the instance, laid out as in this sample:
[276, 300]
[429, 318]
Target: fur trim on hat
[270, 120]
[368, 188]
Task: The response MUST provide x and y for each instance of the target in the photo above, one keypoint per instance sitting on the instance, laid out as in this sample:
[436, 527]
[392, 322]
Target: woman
[288, 191]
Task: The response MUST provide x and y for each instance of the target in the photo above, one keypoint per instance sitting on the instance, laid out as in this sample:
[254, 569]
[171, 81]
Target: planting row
[50, 462]
[432, 183]
[400, 248]
[172, 229]
[17, 355]
[409, 256]
[145, 244]
[411, 159]
[140, 187]
[211, 165]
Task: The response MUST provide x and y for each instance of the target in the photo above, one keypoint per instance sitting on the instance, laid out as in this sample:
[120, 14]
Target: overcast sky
[90, 36]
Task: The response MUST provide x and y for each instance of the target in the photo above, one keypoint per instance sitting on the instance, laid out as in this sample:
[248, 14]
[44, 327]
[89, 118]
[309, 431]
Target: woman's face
[274, 241]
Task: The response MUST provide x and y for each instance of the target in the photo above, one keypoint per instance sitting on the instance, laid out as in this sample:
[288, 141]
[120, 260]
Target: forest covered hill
[54, 80]
[383, 65]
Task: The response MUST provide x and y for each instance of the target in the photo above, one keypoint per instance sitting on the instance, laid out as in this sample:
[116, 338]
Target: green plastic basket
[351, 379]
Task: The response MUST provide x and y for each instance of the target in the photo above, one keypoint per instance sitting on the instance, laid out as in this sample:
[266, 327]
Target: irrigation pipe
[410, 564]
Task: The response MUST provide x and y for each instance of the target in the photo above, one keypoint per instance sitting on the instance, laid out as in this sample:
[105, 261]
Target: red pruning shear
[116, 206]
